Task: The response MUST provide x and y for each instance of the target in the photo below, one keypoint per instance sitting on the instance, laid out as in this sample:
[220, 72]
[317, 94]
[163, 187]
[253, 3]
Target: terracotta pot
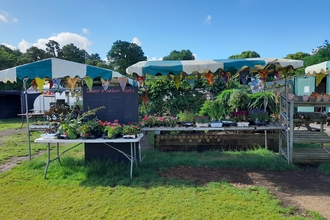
[312, 98]
[326, 98]
[319, 97]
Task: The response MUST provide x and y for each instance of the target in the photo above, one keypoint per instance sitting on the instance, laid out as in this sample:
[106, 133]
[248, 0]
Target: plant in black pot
[186, 118]
[258, 117]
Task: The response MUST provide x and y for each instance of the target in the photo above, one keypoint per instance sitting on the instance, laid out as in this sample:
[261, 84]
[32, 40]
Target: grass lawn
[102, 190]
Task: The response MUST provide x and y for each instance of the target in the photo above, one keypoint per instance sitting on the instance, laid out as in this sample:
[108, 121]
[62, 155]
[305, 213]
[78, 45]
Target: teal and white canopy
[55, 68]
[323, 67]
[204, 66]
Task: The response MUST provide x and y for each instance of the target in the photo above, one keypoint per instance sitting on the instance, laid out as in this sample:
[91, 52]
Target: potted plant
[258, 116]
[202, 121]
[149, 121]
[186, 118]
[241, 118]
[131, 130]
[113, 130]
[73, 122]
[239, 100]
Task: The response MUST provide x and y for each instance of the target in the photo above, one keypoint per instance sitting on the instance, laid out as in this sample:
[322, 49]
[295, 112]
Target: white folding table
[131, 157]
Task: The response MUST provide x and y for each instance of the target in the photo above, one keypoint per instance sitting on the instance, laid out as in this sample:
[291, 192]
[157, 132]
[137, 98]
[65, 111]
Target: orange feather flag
[263, 75]
[209, 77]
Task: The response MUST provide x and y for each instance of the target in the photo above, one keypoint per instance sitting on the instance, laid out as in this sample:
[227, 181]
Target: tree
[180, 55]
[73, 53]
[124, 54]
[53, 49]
[7, 57]
[245, 54]
[297, 56]
[94, 59]
[34, 54]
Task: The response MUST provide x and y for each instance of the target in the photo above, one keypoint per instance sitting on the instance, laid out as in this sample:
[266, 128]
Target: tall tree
[180, 55]
[34, 54]
[297, 56]
[245, 54]
[8, 57]
[94, 59]
[53, 49]
[73, 53]
[123, 54]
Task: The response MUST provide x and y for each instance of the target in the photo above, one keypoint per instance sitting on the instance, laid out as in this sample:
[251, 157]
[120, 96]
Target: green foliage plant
[202, 119]
[186, 116]
[131, 129]
[263, 100]
[71, 124]
[239, 100]
[258, 115]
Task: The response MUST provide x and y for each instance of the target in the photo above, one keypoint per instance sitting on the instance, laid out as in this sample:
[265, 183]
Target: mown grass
[103, 190]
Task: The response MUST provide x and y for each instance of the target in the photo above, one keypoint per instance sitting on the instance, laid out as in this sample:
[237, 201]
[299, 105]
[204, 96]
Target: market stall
[221, 69]
[54, 70]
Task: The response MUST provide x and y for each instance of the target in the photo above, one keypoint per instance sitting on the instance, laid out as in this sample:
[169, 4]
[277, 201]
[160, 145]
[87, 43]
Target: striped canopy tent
[212, 68]
[205, 66]
[54, 68]
[319, 70]
[323, 67]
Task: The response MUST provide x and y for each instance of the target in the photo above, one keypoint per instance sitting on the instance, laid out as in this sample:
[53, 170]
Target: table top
[268, 127]
[31, 114]
[81, 140]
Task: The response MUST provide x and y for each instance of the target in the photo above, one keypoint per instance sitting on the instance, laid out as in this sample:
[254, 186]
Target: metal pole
[27, 116]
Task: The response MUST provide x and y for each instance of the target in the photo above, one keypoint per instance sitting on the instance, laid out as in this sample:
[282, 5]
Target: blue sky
[210, 29]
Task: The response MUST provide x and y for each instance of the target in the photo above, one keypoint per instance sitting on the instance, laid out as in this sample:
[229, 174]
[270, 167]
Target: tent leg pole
[27, 116]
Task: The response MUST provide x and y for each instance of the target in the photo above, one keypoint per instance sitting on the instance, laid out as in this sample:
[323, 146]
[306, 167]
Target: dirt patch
[14, 161]
[305, 188]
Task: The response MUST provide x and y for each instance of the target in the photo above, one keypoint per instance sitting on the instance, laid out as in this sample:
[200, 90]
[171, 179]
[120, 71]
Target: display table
[34, 116]
[265, 128]
[134, 143]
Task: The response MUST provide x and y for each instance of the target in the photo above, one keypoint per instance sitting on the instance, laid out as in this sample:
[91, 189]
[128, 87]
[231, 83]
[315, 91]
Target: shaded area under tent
[12, 102]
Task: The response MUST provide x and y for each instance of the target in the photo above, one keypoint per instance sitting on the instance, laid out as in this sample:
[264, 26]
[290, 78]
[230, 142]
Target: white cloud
[85, 31]
[10, 46]
[154, 58]
[207, 20]
[137, 41]
[3, 17]
[23, 46]
[65, 38]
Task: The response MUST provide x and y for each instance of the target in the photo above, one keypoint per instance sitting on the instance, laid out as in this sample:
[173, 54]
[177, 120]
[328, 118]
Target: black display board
[119, 104]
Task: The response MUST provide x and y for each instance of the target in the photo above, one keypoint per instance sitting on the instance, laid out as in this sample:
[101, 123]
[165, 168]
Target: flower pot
[202, 125]
[216, 124]
[246, 124]
[319, 97]
[290, 96]
[130, 136]
[305, 98]
[326, 98]
[240, 124]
